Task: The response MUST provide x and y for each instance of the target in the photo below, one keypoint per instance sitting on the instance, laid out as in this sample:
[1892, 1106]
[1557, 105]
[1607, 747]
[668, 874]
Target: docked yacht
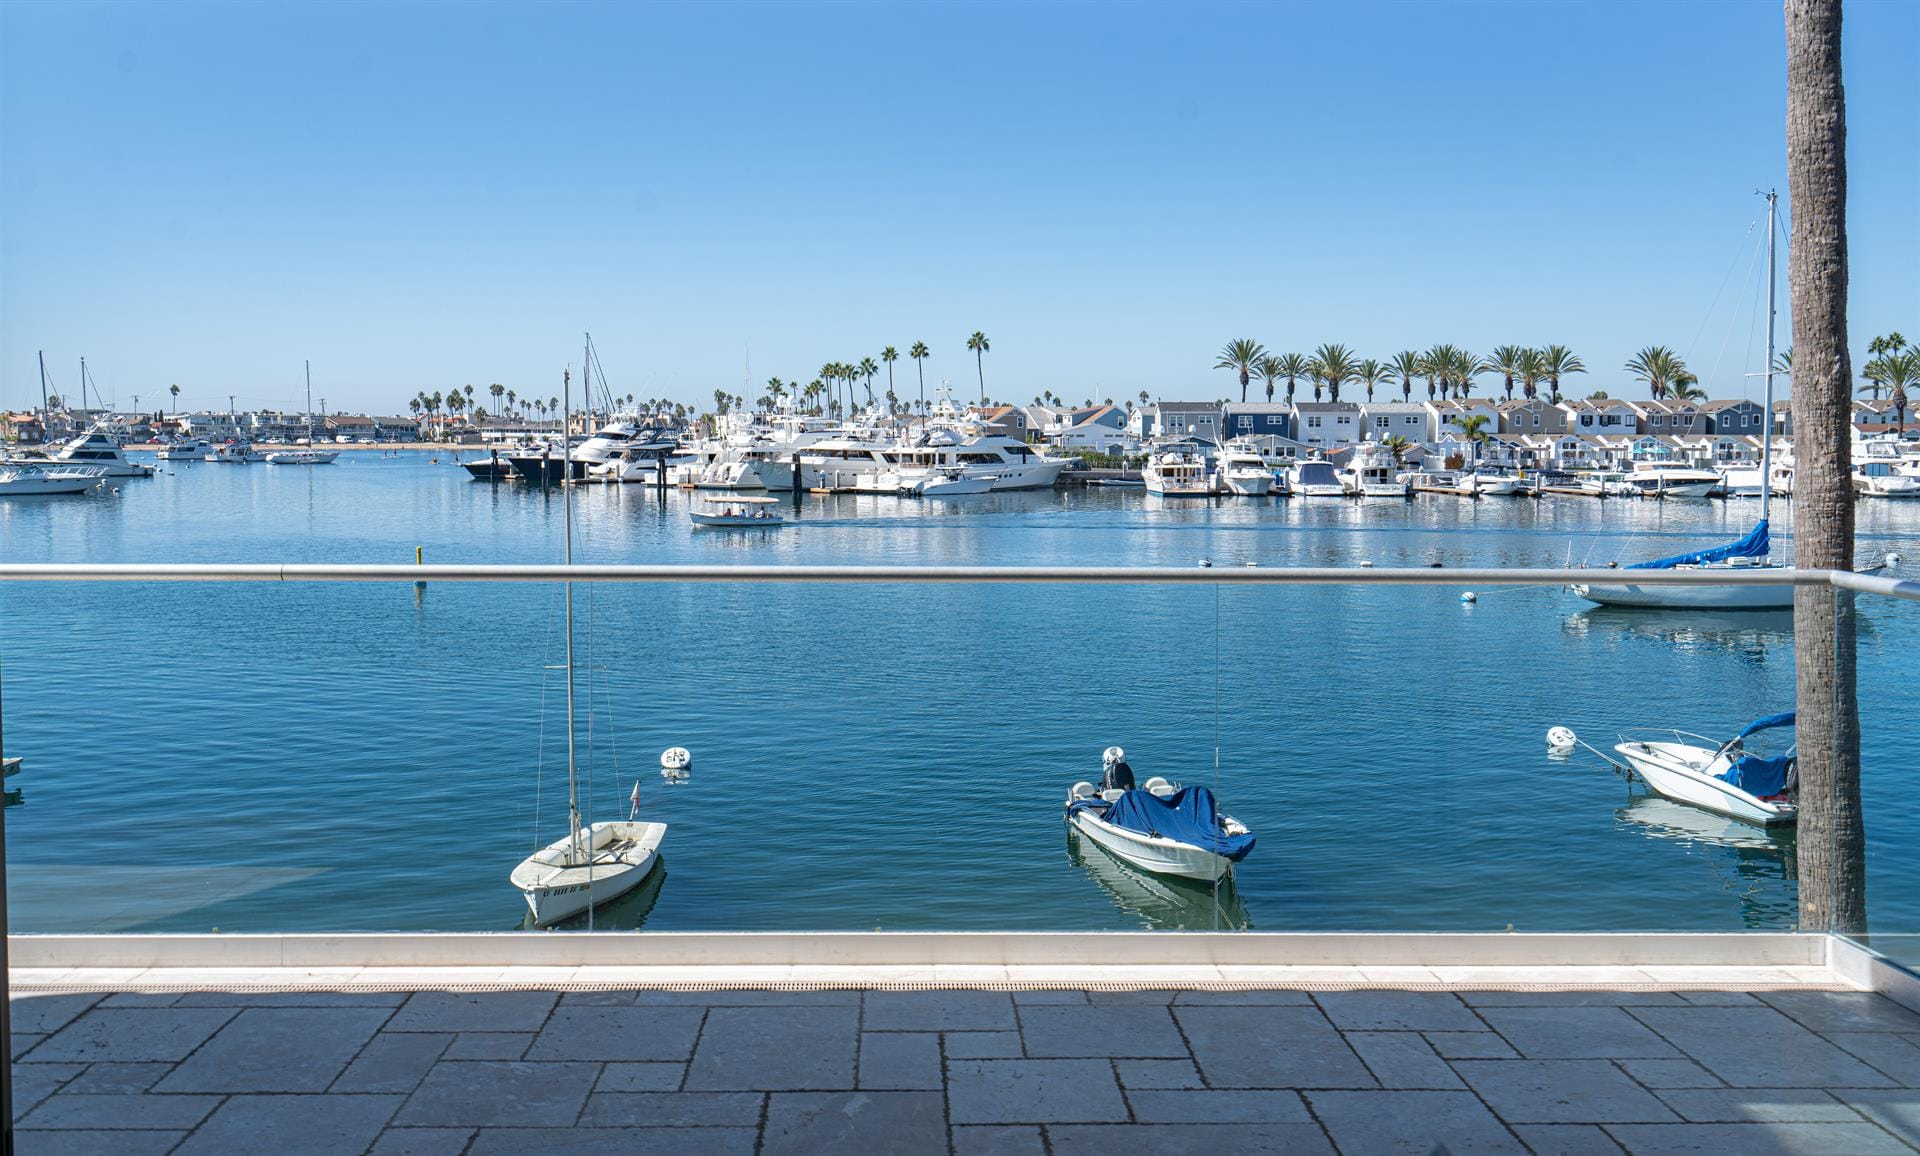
[1489, 482]
[1177, 471]
[1158, 826]
[621, 436]
[1608, 485]
[1243, 471]
[184, 450]
[948, 482]
[1439, 482]
[866, 458]
[1372, 473]
[94, 449]
[1881, 479]
[1745, 481]
[1314, 479]
[1668, 479]
[238, 453]
[302, 457]
[18, 481]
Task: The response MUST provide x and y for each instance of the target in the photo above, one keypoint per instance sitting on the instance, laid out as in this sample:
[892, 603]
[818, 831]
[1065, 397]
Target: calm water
[277, 757]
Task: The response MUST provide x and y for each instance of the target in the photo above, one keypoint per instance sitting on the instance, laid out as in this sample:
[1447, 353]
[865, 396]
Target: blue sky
[423, 196]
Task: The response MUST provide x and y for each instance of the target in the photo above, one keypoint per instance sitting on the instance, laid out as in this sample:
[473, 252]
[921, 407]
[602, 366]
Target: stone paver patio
[967, 1071]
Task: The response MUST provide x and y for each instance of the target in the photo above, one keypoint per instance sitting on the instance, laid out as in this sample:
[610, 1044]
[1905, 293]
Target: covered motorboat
[1721, 777]
[1161, 828]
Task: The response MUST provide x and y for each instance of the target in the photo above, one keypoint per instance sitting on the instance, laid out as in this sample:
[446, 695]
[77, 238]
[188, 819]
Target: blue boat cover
[1754, 545]
[1757, 776]
[1783, 719]
[1189, 815]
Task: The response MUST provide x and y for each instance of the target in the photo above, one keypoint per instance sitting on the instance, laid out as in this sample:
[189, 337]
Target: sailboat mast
[309, 366]
[566, 514]
[46, 417]
[1766, 426]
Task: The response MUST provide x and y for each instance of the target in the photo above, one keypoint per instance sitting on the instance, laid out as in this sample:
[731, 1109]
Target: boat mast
[566, 507]
[1766, 421]
[46, 417]
[309, 365]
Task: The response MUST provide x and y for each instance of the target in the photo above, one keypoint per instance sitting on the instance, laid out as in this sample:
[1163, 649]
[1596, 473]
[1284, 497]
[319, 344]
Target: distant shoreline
[363, 447]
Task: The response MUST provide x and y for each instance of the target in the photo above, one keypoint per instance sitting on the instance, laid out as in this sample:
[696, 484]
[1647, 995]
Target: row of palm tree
[1446, 370]
[836, 375]
[1892, 371]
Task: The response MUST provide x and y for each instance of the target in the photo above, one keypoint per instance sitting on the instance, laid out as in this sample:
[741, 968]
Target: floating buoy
[1561, 739]
[676, 759]
[1366, 564]
[1469, 598]
[1206, 563]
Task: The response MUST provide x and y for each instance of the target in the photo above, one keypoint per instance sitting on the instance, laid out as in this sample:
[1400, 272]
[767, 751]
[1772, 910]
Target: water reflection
[625, 913]
[1755, 865]
[1751, 634]
[1161, 903]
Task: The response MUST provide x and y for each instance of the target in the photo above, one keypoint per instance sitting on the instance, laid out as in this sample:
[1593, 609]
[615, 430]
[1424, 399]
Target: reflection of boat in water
[1161, 902]
[1665, 819]
[1753, 631]
[1756, 865]
[625, 912]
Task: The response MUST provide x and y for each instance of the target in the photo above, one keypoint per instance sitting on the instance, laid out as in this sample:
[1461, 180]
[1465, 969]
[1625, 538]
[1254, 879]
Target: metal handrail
[910, 575]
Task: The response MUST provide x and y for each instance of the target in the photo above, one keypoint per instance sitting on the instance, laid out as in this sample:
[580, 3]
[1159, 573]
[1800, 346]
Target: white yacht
[94, 449]
[302, 457]
[1881, 479]
[1243, 471]
[235, 453]
[621, 433]
[1177, 471]
[18, 481]
[1745, 481]
[1489, 482]
[1314, 479]
[1372, 473]
[1670, 479]
[1608, 485]
[1439, 482]
[184, 450]
[858, 459]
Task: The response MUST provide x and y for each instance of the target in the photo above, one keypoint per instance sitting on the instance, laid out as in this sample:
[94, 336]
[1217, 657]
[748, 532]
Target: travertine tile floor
[966, 1071]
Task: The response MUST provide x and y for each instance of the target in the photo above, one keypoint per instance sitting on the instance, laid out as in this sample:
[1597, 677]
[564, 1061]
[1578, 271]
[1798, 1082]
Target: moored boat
[737, 511]
[1157, 826]
[1720, 777]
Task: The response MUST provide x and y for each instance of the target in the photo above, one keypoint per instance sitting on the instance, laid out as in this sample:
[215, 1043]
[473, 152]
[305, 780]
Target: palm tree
[1557, 361]
[466, 397]
[920, 353]
[1903, 381]
[175, 391]
[1405, 366]
[1474, 426]
[1241, 355]
[1440, 361]
[1269, 369]
[1292, 365]
[512, 400]
[498, 391]
[1371, 373]
[1430, 369]
[1656, 365]
[1397, 446]
[1532, 367]
[1336, 367]
[1466, 367]
[1505, 361]
[978, 344]
[868, 369]
[889, 355]
[1685, 388]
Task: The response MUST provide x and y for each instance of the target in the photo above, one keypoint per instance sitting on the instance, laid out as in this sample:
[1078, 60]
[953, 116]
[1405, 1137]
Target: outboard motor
[1116, 775]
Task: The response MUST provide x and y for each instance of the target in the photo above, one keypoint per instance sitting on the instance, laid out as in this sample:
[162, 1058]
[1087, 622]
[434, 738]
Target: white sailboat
[593, 862]
[307, 456]
[1753, 552]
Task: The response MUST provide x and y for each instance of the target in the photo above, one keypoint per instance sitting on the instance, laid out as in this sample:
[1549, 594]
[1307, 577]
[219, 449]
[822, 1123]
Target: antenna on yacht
[1766, 419]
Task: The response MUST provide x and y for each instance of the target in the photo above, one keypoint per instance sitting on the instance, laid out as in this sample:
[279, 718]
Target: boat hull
[35, 486]
[1664, 767]
[1689, 597]
[626, 853]
[1161, 856]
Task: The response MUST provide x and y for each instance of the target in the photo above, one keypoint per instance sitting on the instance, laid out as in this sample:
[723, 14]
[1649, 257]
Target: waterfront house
[1326, 423]
[1734, 416]
[1005, 420]
[24, 428]
[1668, 418]
[1446, 412]
[1561, 451]
[1102, 430]
[351, 425]
[1532, 415]
[1875, 416]
[1715, 451]
[1782, 418]
[1045, 419]
[1245, 419]
[1380, 420]
[397, 429]
[1276, 450]
[1604, 415]
[1195, 419]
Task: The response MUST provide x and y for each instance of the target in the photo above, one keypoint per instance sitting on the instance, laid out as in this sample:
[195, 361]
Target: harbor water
[280, 757]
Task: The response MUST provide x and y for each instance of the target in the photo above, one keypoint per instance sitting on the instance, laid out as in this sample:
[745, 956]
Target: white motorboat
[1608, 485]
[1243, 471]
[1439, 482]
[594, 862]
[1372, 473]
[1492, 483]
[1745, 481]
[1158, 826]
[184, 450]
[738, 511]
[1720, 777]
[235, 453]
[1177, 472]
[94, 449]
[1880, 479]
[302, 457]
[1314, 479]
[29, 482]
[1669, 479]
[1161, 902]
[948, 482]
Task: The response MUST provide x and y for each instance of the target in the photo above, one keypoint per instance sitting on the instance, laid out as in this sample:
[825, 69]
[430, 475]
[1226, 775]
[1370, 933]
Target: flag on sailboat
[635, 797]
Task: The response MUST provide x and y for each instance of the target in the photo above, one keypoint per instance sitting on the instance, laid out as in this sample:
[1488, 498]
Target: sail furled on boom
[1754, 545]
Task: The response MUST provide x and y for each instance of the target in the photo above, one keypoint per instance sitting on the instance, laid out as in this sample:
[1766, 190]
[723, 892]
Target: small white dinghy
[1158, 826]
[592, 865]
[1724, 777]
[748, 511]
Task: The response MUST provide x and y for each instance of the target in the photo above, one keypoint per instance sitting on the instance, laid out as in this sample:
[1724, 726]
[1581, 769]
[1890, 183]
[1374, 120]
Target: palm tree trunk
[980, 367]
[1833, 893]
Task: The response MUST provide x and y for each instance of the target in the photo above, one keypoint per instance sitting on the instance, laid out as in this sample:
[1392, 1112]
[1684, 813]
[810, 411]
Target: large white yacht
[1882, 479]
[623, 435]
[94, 449]
[184, 449]
[1177, 471]
[237, 453]
[1371, 473]
[1314, 478]
[864, 458]
[1670, 479]
[1243, 471]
